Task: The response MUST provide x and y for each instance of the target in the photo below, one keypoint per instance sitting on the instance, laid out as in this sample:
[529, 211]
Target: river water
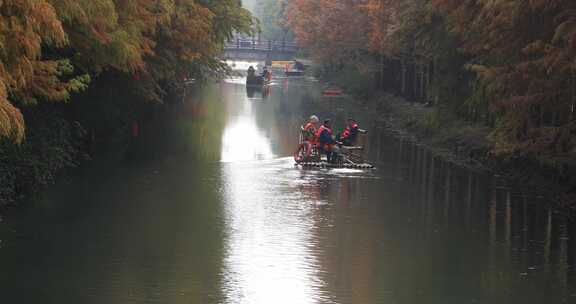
[207, 207]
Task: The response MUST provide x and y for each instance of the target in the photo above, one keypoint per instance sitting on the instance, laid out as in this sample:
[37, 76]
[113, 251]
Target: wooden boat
[350, 157]
[332, 92]
[294, 68]
[280, 64]
[326, 165]
[256, 81]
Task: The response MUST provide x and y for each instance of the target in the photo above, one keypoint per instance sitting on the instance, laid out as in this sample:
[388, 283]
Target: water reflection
[521, 247]
[219, 214]
[269, 256]
[258, 93]
[243, 141]
[276, 214]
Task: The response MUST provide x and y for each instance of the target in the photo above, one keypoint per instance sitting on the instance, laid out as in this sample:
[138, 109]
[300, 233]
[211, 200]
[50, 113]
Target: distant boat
[295, 68]
[256, 81]
[332, 92]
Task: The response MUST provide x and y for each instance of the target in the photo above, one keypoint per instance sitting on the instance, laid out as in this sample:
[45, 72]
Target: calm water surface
[207, 207]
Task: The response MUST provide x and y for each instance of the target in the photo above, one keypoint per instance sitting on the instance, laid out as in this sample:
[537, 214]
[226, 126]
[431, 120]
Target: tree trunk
[415, 81]
[422, 78]
[573, 97]
[435, 81]
[382, 62]
[403, 68]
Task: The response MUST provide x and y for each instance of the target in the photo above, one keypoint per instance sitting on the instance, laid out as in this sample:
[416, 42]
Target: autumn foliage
[333, 30]
[523, 53]
[507, 63]
[52, 48]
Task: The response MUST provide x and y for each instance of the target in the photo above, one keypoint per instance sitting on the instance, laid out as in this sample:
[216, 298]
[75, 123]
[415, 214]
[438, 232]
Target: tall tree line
[508, 64]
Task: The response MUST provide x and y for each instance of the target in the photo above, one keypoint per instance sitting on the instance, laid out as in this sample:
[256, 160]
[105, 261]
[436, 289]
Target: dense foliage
[335, 31]
[77, 73]
[52, 48]
[509, 64]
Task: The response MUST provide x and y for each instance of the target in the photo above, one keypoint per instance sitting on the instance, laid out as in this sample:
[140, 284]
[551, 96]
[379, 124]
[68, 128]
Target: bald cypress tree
[51, 48]
[523, 54]
[25, 26]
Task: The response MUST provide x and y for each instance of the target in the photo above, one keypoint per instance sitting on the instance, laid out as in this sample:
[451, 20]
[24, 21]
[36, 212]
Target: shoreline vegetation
[483, 79]
[77, 80]
[468, 145]
[462, 142]
[492, 79]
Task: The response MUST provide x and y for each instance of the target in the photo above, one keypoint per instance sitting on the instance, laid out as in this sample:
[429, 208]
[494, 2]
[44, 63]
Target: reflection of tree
[507, 254]
[349, 252]
[447, 232]
[282, 114]
[201, 124]
[192, 128]
[469, 200]
[429, 209]
[158, 236]
[571, 271]
[489, 243]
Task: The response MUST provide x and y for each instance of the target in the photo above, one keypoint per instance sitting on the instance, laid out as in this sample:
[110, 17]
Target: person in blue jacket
[326, 141]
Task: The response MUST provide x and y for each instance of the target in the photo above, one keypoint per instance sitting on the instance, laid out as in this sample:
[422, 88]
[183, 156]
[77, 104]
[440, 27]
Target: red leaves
[331, 29]
[522, 52]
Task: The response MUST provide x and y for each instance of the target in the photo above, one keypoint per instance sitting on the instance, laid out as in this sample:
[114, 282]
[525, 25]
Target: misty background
[271, 15]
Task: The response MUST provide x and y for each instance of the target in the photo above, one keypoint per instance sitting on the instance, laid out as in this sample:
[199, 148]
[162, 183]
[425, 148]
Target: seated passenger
[326, 143]
[266, 74]
[251, 71]
[298, 66]
[309, 134]
[310, 129]
[350, 134]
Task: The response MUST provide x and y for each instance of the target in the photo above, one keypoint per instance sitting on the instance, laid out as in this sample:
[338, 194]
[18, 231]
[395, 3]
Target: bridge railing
[261, 45]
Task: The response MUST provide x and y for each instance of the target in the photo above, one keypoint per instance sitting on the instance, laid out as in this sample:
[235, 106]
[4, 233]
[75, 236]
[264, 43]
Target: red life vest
[310, 131]
[322, 129]
[347, 131]
[309, 126]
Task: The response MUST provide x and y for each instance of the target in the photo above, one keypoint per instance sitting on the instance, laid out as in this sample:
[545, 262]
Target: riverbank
[456, 138]
[469, 145]
[104, 122]
[216, 207]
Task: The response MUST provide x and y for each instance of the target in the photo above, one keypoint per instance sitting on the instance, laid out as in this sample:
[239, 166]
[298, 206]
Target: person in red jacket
[348, 137]
[309, 130]
[309, 134]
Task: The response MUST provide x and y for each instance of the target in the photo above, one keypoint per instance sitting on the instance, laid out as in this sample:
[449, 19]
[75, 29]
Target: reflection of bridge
[255, 49]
